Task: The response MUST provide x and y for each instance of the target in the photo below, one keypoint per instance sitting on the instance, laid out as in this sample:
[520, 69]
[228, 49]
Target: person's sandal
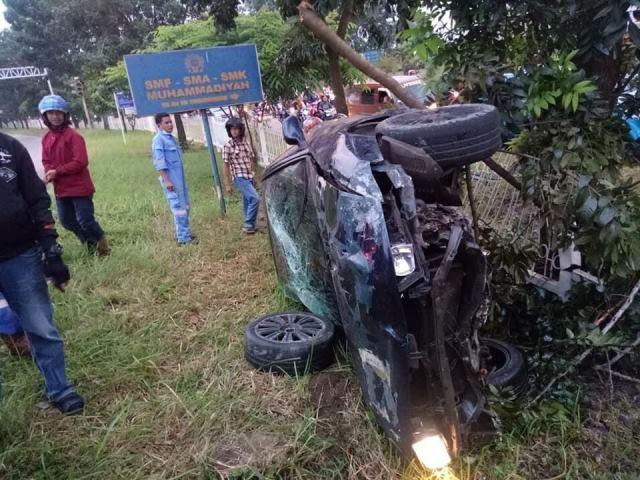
[70, 405]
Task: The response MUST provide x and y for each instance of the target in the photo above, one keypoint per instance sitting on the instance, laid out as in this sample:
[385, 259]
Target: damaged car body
[365, 233]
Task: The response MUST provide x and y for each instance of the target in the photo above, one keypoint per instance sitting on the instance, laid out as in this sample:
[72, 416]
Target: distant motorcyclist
[326, 110]
[324, 104]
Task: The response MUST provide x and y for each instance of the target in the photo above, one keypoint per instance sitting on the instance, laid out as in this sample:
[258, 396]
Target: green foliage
[192, 34]
[81, 38]
[420, 39]
[559, 81]
[391, 63]
[577, 154]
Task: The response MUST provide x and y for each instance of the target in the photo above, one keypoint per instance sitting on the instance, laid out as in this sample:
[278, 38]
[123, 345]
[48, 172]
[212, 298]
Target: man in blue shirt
[167, 159]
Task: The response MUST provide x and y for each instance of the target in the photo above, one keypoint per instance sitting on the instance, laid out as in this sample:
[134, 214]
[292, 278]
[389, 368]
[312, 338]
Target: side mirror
[292, 131]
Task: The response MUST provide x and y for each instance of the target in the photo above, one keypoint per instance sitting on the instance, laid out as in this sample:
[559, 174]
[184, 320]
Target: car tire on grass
[294, 343]
[507, 366]
[453, 136]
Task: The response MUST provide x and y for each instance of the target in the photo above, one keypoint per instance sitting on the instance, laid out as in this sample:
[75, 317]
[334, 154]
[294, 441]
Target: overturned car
[366, 234]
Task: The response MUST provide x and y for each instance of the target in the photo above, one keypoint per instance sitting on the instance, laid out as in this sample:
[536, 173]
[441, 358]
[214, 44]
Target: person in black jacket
[29, 253]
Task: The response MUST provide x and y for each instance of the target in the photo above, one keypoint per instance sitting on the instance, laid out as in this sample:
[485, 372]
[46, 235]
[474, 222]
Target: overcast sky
[3, 24]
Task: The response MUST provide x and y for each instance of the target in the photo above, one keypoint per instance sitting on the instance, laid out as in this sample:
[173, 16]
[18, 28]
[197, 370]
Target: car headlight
[404, 263]
[431, 450]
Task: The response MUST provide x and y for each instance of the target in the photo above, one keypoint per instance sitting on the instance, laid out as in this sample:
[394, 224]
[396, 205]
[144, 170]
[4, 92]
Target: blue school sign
[124, 101]
[185, 80]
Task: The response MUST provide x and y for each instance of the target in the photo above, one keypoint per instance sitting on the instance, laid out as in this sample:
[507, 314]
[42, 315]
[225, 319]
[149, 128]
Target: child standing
[239, 162]
[66, 165]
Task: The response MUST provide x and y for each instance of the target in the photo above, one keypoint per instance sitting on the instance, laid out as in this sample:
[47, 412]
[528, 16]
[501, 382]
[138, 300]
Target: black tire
[453, 136]
[506, 366]
[294, 343]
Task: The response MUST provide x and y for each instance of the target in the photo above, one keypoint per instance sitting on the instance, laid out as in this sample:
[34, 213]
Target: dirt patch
[329, 392]
[257, 449]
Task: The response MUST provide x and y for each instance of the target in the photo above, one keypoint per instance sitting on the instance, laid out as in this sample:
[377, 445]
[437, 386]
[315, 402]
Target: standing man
[239, 163]
[167, 159]
[28, 253]
[66, 165]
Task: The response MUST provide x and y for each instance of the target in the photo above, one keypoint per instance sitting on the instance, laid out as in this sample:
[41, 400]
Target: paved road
[35, 149]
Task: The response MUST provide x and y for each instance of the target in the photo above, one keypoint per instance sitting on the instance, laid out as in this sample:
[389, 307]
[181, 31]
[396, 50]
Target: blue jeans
[250, 201]
[23, 284]
[180, 212]
[76, 215]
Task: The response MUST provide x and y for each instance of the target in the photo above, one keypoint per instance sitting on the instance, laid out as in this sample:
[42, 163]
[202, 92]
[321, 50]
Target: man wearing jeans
[239, 162]
[66, 163]
[29, 253]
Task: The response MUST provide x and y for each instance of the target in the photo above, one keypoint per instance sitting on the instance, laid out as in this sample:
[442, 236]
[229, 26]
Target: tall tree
[348, 12]
[83, 37]
[525, 32]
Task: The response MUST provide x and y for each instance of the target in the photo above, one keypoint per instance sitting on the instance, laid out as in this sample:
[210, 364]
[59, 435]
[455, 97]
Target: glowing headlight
[431, 449]
[404, 262]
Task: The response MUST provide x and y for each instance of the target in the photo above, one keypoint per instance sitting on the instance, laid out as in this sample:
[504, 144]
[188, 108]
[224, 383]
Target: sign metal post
[115, 98]
[212, 156]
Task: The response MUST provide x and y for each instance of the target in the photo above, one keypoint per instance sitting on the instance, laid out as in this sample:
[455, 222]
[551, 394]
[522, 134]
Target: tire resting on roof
[453, 136]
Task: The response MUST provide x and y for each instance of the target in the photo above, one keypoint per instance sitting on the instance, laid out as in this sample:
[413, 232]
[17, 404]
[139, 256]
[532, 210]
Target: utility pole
[78, 88]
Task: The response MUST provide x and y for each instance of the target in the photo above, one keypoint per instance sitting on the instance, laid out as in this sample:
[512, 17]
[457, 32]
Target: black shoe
[70, 405]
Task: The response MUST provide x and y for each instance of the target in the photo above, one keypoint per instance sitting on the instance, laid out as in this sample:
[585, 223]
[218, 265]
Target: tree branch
[310, 20]
[579, 359]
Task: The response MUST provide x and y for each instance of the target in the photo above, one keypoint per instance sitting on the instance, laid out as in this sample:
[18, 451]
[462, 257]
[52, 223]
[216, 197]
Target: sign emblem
[194, 63]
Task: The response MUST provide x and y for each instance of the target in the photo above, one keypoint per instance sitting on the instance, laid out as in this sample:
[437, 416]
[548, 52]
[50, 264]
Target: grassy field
[154, 341]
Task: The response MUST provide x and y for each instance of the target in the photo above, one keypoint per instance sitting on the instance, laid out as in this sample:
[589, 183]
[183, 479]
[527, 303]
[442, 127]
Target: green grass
[154, 341]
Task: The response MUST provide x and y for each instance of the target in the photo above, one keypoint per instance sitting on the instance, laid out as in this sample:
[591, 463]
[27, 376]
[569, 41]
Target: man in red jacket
[66, 165]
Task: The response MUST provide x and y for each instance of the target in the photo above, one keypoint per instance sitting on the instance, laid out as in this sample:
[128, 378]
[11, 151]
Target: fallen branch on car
[312, 22]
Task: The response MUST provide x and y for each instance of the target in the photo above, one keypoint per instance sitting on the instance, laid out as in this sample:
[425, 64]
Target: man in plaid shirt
[239, 161]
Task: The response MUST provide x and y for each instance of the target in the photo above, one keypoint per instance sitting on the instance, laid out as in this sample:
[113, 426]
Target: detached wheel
[506, 365]
[453, 136]
[293, 343]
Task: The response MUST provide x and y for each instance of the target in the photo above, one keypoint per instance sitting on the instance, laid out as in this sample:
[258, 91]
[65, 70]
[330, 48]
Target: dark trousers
[76, 215]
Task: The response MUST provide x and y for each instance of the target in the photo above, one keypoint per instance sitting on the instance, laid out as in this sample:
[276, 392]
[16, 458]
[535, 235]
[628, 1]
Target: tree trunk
[335, 80]
[182, 135]
[310, 19]
[335, 73]
[607, 71]
[105, 122]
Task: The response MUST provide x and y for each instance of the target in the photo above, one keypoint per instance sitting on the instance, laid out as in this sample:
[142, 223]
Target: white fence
[265, 136]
